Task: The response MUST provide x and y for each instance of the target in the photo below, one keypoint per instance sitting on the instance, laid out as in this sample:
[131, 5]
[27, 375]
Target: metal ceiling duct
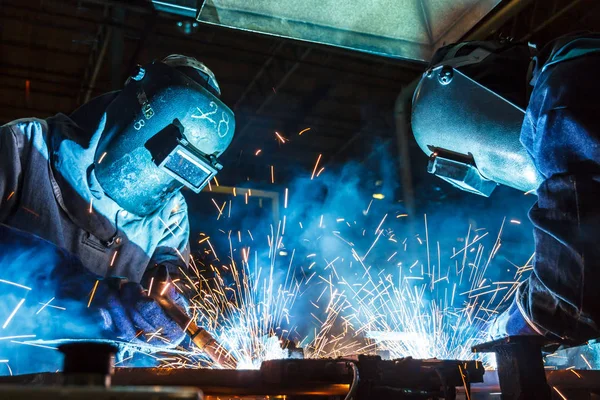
[408, 29]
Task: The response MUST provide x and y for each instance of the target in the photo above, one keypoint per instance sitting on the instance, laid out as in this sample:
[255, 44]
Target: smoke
[346, 234]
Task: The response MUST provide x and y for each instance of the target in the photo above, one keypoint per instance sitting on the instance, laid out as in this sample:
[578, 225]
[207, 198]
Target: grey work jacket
[48, 188]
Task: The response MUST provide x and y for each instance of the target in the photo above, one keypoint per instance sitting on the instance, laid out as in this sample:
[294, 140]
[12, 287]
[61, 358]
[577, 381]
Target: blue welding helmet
[467, 114]
[165, 130]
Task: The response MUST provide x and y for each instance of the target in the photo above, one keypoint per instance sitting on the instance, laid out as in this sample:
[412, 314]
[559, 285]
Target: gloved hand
[511, 322]
[134, 316]
[124, 310]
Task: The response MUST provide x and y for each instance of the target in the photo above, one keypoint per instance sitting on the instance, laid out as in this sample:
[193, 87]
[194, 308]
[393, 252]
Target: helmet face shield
[471, 134]
[174, 154]
[164, 130]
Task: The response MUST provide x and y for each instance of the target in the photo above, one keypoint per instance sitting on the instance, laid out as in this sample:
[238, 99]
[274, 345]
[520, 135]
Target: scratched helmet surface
[164, 130]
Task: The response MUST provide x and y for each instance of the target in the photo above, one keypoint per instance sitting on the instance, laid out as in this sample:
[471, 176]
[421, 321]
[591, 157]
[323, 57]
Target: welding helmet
[467, 113]
[165, 130]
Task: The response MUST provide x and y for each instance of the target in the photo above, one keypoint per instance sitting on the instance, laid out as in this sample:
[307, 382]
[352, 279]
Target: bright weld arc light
[259, 303]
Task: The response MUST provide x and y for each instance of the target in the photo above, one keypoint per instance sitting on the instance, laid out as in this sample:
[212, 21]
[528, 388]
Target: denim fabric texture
[561, 131]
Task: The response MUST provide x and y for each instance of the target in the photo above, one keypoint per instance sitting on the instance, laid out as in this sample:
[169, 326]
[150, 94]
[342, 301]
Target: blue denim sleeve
[562, 133]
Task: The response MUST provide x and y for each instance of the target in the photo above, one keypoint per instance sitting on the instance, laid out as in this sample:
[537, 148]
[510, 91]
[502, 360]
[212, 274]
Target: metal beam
[402, 112]
[264, 79]
[148, 29]
[549, 21]
[194, 40]
[95, 60]
[117, 48]
[497, 19]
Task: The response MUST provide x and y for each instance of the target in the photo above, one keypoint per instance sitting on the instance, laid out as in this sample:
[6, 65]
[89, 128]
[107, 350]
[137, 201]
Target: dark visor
[172, 153]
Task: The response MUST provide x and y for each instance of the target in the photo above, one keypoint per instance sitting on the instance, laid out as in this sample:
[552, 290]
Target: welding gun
[200, 336]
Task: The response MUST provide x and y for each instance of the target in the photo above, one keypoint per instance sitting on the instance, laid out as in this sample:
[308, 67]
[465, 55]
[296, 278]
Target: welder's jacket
[48, 188]
[561, 131]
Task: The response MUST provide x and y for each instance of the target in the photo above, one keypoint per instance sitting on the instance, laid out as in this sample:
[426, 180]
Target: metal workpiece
[471, 133]
[520, 367]
[368, 377]
[13, 392]
[87, 371]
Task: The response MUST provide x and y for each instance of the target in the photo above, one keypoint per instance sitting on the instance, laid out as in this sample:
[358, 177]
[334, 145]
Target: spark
[15, 284]
[91, 206]
[559, 393]
[52, 306]
[165, 287]
[576, 373]
[30, 211]
[44, 306]
[12, 314]
[17, 337]
[35, 345]
[303, 130]
[285, 202]
[219, 209]
[281, 138]
[150, 286]
[529, 192]
[315, 169]
[368, 208]
[258, 152]
[515, 221]
[586, 361]
[10, 195]
[102, 157]
[112, 261]
[93, 293]
[401, 215]
[380, 224]
[321, 170]
[272, 174]
[462, 375]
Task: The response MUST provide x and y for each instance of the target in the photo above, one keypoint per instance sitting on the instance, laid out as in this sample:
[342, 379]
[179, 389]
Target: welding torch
[200, 336]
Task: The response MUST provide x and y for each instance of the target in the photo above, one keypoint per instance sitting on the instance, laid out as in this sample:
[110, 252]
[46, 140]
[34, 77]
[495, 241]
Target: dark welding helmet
[467, 114]
[165, 130]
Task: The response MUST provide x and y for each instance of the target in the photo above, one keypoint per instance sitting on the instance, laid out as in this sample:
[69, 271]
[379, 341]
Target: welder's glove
[134, 316]
[512, 322]
[166, 281]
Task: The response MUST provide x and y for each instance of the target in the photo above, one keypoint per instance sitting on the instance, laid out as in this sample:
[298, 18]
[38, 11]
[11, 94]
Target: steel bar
[520, 367]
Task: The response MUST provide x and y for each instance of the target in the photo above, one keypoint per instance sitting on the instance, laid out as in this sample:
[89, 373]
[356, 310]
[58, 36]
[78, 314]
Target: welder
[91, 208]
[502, 112]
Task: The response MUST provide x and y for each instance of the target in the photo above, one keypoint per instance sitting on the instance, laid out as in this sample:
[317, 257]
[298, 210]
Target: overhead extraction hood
[409, 29]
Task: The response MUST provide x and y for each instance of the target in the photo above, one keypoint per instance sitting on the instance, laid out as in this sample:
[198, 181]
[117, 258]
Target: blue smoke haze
[335, 213]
